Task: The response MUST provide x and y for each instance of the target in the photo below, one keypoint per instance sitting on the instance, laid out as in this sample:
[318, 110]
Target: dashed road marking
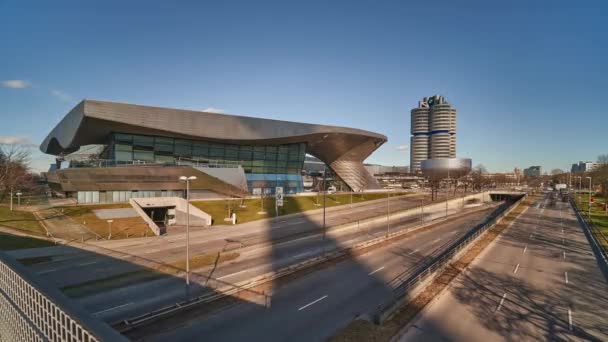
[111, 309]
[516, 268]
[566, 277]
[377, 270]
[501, 301]
[311, 303]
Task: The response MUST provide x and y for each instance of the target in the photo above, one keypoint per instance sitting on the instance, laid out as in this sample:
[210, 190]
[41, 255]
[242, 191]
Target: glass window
[216, 152]
[183, 148]
[143, 155]
[232, 154]
[259, 149]
[258, 155]
[245, 155]
[271, 149]
[122, 147]
[163, 145]
[284, 149]
[200, 149]
[142, 142]
[123, 156]
[270, 156]
[164, 159]
[245, 148]
[123, 138]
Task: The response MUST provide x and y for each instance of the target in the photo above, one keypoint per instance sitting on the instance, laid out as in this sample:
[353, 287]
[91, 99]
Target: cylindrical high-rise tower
[419, 145]
[433, 131]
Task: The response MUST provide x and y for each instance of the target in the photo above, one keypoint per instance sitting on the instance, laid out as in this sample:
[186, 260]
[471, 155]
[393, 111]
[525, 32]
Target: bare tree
[555, 172]
[603, 158]
[14, 172]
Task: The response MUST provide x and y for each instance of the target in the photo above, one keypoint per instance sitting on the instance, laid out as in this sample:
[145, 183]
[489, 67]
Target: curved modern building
[145, 150]
[433, 131]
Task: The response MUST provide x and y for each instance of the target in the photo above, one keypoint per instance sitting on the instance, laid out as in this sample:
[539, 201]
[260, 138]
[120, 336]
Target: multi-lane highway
[314, 306]
[539, 281]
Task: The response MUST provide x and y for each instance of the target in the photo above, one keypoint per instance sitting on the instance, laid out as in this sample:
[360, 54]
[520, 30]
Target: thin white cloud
[403, 147]
[61, 95]
[14, 140]
[15, 84]
[214, 110]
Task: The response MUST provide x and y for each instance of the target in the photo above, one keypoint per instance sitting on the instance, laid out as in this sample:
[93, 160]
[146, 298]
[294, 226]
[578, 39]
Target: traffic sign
[279, 197]
[279, 190]
[592, 200]
[257, 191]
[279, 202]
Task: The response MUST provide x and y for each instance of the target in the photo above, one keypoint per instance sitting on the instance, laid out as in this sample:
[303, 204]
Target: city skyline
[273, 64]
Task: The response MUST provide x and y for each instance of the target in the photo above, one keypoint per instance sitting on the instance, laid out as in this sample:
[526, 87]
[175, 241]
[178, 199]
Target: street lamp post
[589, 203]
[18, 194]
[187, 181]
[388, 211]
[324, 195]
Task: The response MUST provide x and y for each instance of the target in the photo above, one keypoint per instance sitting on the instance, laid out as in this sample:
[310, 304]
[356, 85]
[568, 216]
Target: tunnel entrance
[162, 216]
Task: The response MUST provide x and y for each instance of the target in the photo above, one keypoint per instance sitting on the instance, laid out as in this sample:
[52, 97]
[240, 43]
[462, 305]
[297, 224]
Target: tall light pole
[589, 203]
[388, 210]
[324, 195]
[187, 181]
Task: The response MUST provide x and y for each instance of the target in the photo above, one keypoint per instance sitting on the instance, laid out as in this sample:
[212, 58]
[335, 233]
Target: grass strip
[35, 260]
[110, 283]
[9, 242]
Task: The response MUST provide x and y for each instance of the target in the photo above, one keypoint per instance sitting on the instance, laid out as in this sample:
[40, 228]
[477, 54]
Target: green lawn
[10, 242]
[598, 215]
[219, 209]
[22, 220]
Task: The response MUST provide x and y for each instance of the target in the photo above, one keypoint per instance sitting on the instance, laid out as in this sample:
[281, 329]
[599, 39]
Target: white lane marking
[48, 271]
[564, 255]
[311, 303]
[566, 277]
[436, 240]
[414, 251]
[516, 268]
[233, 274]
[501, 301]
[525, 248]
[377, 270]
[88, 263]
[301, 254]
[113, 308]
[570, 319]
[531, 236]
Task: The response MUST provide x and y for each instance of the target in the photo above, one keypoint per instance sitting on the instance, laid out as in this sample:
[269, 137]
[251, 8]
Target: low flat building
[144, 150]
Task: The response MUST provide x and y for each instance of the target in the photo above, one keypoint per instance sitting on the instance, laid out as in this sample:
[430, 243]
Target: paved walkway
[62, 227]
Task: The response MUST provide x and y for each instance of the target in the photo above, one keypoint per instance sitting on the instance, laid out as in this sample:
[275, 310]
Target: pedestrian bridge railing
[31, 311]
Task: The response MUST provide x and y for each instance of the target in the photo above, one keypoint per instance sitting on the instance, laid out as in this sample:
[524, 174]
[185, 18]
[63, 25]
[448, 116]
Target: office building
[585, 166]
[533, 171]
[144, 150]
[433, 131]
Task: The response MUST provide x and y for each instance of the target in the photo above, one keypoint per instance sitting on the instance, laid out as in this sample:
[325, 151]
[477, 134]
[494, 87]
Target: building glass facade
[265, 166]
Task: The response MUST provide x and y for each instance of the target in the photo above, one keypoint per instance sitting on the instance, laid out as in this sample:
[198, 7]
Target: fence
[30, 312]
[406, 283]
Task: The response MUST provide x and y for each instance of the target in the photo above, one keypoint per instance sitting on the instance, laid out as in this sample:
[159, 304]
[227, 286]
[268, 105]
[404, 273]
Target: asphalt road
[130, 301]
[539, 281]
[313, 306]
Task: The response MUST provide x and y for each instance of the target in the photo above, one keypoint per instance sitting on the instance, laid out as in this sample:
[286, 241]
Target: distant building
[375, 169]
[433, 130]
[585, 166]
[533, 171]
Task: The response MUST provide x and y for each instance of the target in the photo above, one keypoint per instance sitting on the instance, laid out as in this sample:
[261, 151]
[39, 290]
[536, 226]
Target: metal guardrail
[31, 312]
[405, 284]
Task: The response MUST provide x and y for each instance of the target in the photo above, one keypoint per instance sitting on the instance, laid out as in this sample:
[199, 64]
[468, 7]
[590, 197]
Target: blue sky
[528, 80]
